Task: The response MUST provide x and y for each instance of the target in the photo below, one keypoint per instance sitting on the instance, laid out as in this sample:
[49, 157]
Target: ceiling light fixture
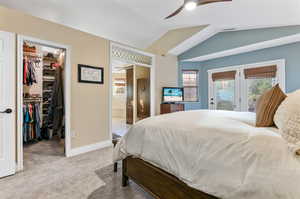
[191, 5]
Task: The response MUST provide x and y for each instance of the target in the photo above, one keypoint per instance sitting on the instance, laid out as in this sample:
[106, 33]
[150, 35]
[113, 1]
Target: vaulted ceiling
[141, 22]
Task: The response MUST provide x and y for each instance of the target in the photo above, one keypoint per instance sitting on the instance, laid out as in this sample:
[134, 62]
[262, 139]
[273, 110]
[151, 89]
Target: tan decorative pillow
[267, 105]
[287, 119]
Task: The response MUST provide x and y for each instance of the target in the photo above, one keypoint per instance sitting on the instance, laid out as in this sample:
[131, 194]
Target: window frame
[197, 84]
[241, 89]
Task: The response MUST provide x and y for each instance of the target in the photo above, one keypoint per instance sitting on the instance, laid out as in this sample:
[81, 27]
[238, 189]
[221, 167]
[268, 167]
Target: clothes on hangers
[32, 122]
[29, 75]
[51, 120]
[56, 106]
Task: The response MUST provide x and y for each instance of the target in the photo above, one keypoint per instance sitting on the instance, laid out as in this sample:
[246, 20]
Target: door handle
[8, 111]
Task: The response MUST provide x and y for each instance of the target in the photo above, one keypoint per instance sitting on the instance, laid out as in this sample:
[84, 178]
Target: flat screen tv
[172, 94]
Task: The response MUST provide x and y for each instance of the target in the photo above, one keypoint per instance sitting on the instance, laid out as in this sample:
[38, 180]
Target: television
[172, 94]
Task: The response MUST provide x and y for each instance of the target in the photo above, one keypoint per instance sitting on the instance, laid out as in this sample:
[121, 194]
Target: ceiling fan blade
[176, 12]
[203, 2]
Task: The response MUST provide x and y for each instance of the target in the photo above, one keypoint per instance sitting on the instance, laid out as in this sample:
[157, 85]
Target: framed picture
[90, 74]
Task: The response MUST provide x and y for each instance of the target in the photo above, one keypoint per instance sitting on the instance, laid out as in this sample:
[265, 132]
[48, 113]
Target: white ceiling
[140, 22]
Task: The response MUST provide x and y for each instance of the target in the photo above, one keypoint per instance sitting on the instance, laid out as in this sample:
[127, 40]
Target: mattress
[221, 153]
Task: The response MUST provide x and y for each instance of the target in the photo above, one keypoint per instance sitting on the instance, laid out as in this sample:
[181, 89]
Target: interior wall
[172, 38]
[233, 39]
[288, 52]
[89, 102]
[166, 75]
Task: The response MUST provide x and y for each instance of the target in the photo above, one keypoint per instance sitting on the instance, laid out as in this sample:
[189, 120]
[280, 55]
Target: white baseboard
[89, 148]
[19, 167]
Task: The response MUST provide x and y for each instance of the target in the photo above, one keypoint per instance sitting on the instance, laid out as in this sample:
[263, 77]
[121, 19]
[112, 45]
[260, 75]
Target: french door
[238, 88]
[7, 104]
[224, 89]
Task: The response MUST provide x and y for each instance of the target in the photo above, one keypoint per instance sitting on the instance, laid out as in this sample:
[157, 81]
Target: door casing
[67, 96]
[241, 86]
[152, 79]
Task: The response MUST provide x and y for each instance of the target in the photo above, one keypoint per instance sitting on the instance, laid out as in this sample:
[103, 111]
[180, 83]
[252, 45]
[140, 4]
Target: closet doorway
[44, 74]
[132, 88]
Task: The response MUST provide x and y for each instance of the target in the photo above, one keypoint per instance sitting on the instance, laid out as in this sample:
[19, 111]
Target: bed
[208, 154]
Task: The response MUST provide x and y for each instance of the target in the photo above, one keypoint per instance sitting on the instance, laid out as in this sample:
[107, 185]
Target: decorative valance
[261, 72]
[228, 75]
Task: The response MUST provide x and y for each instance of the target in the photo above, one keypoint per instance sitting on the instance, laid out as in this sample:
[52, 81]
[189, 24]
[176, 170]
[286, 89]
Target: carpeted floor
[49, 175]
[43, 152]
[59, 178]
[113, 186]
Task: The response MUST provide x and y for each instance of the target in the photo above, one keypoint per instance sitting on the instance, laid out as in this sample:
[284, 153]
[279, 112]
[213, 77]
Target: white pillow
[287, 119]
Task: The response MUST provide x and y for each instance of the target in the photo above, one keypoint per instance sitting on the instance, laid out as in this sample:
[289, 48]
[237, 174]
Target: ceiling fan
[192, 4]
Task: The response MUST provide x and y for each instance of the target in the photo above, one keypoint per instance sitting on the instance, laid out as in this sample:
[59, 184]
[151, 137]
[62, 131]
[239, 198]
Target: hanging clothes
[32, 122]
[56, 108]
[29, 74]
[37, 118]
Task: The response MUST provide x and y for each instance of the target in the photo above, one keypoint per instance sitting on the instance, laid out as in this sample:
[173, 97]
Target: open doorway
[131, 100]
[120, 88]
[43, 102]
[132, 88]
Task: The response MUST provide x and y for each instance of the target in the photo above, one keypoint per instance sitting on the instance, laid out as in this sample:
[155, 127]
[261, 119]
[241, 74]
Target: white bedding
[219, 152]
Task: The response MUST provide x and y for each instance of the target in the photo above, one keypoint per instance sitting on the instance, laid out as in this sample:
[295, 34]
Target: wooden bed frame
[159, 183]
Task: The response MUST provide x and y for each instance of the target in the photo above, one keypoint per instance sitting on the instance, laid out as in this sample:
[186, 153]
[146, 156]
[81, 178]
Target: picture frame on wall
[90, 74]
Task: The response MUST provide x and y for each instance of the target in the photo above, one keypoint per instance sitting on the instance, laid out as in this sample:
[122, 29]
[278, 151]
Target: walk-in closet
[43, 103]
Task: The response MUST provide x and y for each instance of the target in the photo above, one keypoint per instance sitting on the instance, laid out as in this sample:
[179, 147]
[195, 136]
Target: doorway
[131, 88]
[237, 88]
[120, 89]
[131, 96]
[43, 102]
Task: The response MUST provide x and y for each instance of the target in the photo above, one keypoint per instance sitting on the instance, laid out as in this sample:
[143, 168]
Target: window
[190, 85]
[239, 87]
[225, 94]
[224, 86]
[258, 80]
[255, 88]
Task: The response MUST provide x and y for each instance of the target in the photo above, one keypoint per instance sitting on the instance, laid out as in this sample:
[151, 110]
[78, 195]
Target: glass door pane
[255, 88]
[225, 95]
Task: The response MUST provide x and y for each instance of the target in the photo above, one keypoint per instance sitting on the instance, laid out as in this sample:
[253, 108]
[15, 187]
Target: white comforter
[219, 152]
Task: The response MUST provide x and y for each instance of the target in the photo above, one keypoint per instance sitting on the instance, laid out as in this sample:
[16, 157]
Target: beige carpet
[113, 186]
[43, 152]
[56, 177]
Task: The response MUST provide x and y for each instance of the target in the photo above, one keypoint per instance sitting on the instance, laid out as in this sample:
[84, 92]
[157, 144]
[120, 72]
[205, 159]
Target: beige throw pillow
[287, 119]
[267, 105]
